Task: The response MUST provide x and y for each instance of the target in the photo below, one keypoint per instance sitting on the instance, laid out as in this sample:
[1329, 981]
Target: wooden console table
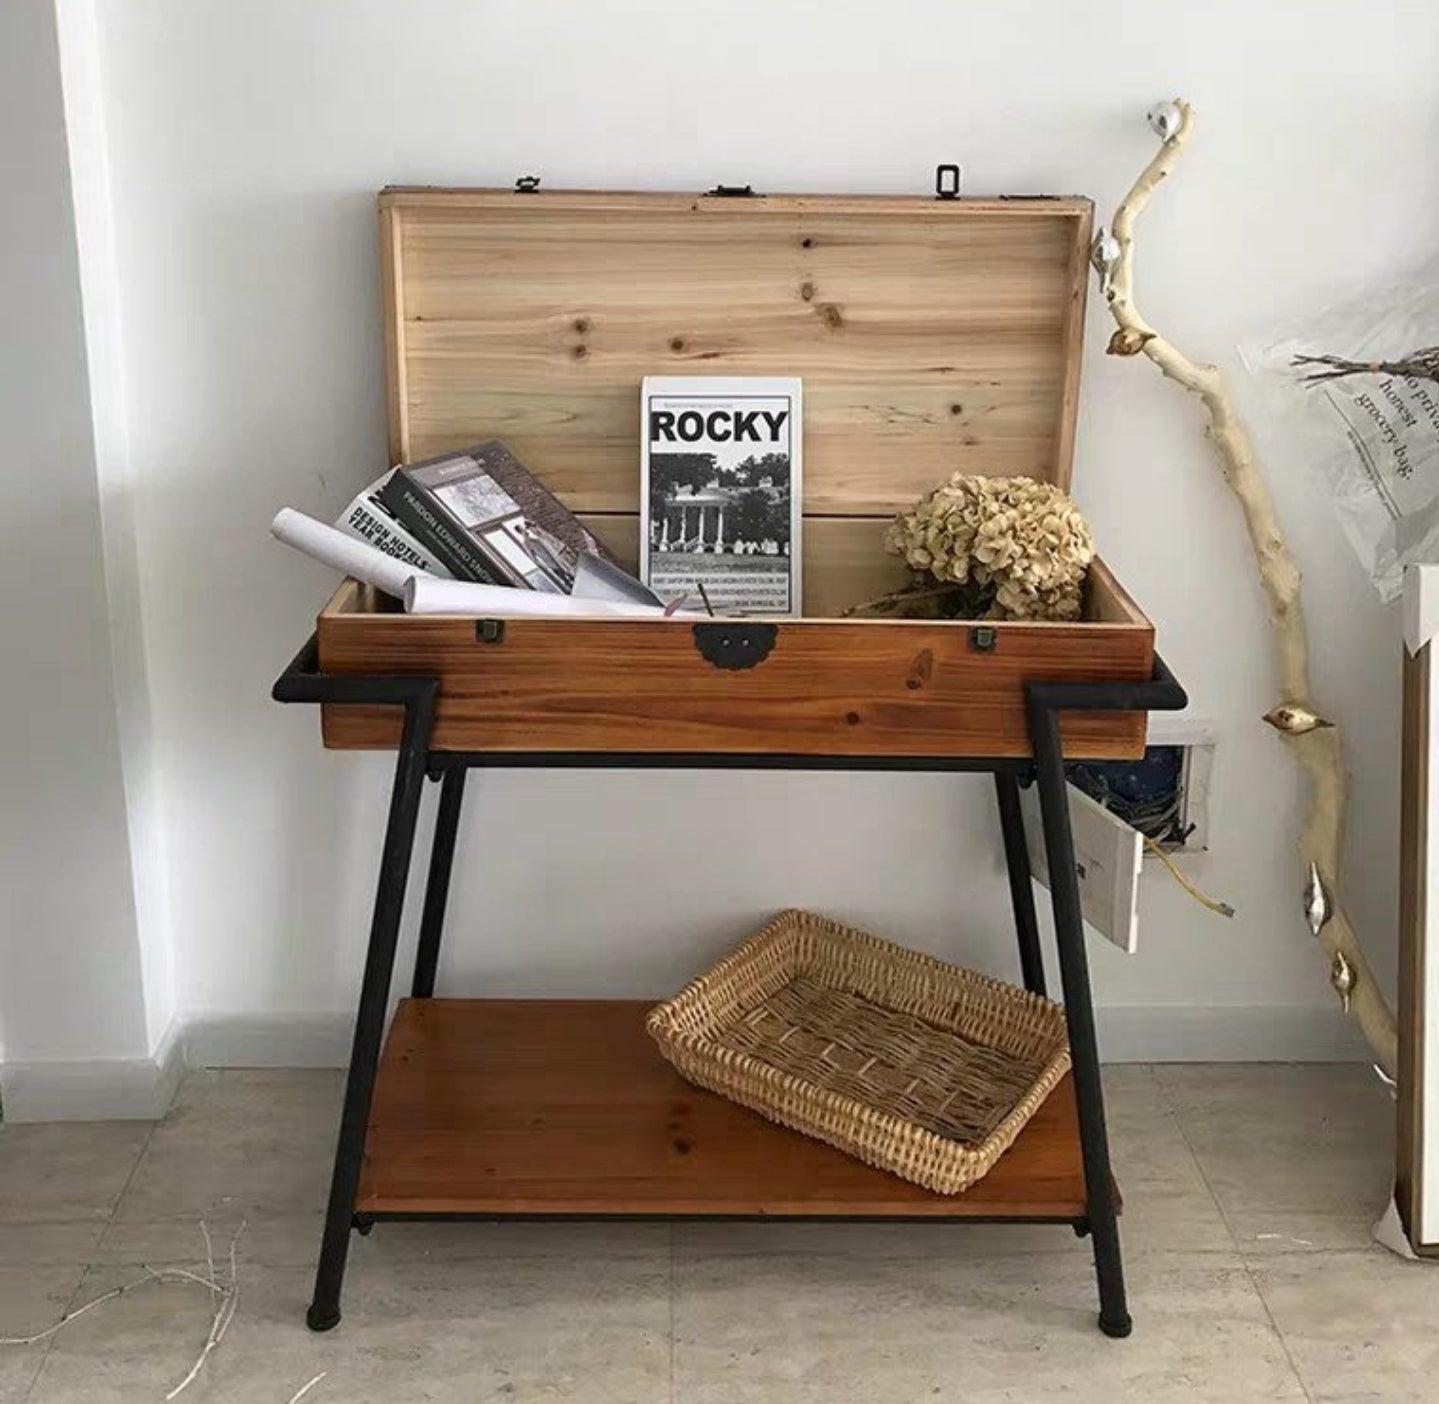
[564, 1109]
[933, 335]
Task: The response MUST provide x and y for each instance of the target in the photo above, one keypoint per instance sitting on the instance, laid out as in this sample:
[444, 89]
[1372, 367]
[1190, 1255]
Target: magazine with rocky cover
[488, 519]
[720, 491]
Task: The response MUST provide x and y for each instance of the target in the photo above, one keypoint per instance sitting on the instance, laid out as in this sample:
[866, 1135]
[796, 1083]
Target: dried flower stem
[1319, 749]
[224, 1296]
[79, 1312]
[227, 1303]
[897, 599]
[149, 1275]
[304, 1389]
[1421, 365]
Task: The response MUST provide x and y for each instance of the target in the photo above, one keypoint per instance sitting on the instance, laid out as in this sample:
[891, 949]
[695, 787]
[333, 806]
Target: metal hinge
[733, 192]
[489, 631]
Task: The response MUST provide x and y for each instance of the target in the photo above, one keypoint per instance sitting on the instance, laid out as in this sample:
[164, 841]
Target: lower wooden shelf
[532, 1107]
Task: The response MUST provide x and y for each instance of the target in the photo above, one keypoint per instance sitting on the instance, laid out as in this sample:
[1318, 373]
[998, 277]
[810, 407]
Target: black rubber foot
[318, 1320]
[1118, 1328]
[1081, 1230]
[364, 1227]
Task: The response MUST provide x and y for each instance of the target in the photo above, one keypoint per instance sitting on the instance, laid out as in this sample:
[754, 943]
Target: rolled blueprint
[345, 553]
[427, 594]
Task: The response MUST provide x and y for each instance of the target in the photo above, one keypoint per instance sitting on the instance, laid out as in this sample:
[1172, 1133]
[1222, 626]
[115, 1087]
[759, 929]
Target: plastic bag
[1358, 386]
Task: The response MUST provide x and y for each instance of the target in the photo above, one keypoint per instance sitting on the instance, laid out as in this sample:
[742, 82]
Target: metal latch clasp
[735, 644]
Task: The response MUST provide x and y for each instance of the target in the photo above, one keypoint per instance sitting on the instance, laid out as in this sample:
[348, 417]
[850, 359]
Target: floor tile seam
[88, 1268]
[1240, 1255]
[1278, 1331]
[125, 1188]
[70, 1305]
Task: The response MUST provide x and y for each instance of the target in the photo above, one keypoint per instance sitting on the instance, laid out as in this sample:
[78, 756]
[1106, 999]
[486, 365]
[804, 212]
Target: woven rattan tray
[911, 1064]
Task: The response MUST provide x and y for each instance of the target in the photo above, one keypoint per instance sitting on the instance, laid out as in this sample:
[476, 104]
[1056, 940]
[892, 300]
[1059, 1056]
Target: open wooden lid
[933, 336]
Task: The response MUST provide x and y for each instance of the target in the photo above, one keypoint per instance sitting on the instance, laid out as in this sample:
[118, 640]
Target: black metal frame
[303, 681]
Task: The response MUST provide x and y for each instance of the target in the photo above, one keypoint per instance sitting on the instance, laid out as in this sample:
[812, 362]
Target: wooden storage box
[932, 336]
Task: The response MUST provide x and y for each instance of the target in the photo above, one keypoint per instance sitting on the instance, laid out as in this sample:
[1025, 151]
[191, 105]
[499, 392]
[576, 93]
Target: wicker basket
[911, 1064]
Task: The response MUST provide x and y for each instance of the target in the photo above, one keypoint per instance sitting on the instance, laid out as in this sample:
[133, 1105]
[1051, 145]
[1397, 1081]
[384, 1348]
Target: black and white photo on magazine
[722, 492]
[528, 553]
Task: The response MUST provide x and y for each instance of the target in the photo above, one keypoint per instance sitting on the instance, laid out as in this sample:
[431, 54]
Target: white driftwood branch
[1315, 742]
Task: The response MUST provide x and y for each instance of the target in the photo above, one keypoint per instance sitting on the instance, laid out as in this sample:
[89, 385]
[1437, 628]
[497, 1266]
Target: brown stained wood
[932, 337]
[566, 1107]
[828, 687]
[1414, 897]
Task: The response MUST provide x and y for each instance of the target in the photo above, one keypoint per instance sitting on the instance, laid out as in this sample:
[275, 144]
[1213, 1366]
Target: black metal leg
[1021, 888]
[324, 1311]
[437, 885]
[1114, 1319]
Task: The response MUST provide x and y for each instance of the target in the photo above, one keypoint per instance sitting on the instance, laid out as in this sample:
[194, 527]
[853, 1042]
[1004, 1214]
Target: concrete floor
[1250, 1193]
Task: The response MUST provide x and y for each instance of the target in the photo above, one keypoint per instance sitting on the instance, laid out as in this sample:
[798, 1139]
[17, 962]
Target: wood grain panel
[859, 687]
[932, 337]
[566, 1107]
[1414, 898]
[845, 564]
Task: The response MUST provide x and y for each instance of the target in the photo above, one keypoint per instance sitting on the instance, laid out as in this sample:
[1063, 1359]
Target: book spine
[369, 522]
[431, 525]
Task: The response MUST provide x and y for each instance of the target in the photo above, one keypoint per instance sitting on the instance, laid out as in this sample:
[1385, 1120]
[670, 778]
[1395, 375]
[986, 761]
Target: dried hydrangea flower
[1022, 541]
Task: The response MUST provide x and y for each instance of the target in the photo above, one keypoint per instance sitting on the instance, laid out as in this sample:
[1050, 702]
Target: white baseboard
[268, 1040]
[117, 1089]
[1148, 1033]
[1143, 1033]
[144, 1088]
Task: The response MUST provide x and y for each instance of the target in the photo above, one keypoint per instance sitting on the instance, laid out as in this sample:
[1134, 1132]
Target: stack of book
[720, 508]
[478, 515]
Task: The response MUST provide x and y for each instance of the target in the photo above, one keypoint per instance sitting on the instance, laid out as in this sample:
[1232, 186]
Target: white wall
[71, 984]
[246, 143]
[86, 132]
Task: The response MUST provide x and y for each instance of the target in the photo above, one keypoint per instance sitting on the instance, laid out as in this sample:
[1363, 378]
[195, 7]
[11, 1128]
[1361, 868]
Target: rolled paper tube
[426, 594]
[344, 553]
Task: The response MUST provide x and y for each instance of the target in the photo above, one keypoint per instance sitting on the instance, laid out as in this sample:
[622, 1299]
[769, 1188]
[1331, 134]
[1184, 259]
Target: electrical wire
[1220, 908]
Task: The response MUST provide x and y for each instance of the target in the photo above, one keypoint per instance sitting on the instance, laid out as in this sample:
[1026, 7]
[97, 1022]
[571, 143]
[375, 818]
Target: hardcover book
[489, 519]
[368, 519]
[720, 493]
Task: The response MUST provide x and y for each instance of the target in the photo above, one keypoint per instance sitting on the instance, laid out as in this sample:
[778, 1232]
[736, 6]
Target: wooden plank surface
[566, 1107]
[856, 688]
[932, 337]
